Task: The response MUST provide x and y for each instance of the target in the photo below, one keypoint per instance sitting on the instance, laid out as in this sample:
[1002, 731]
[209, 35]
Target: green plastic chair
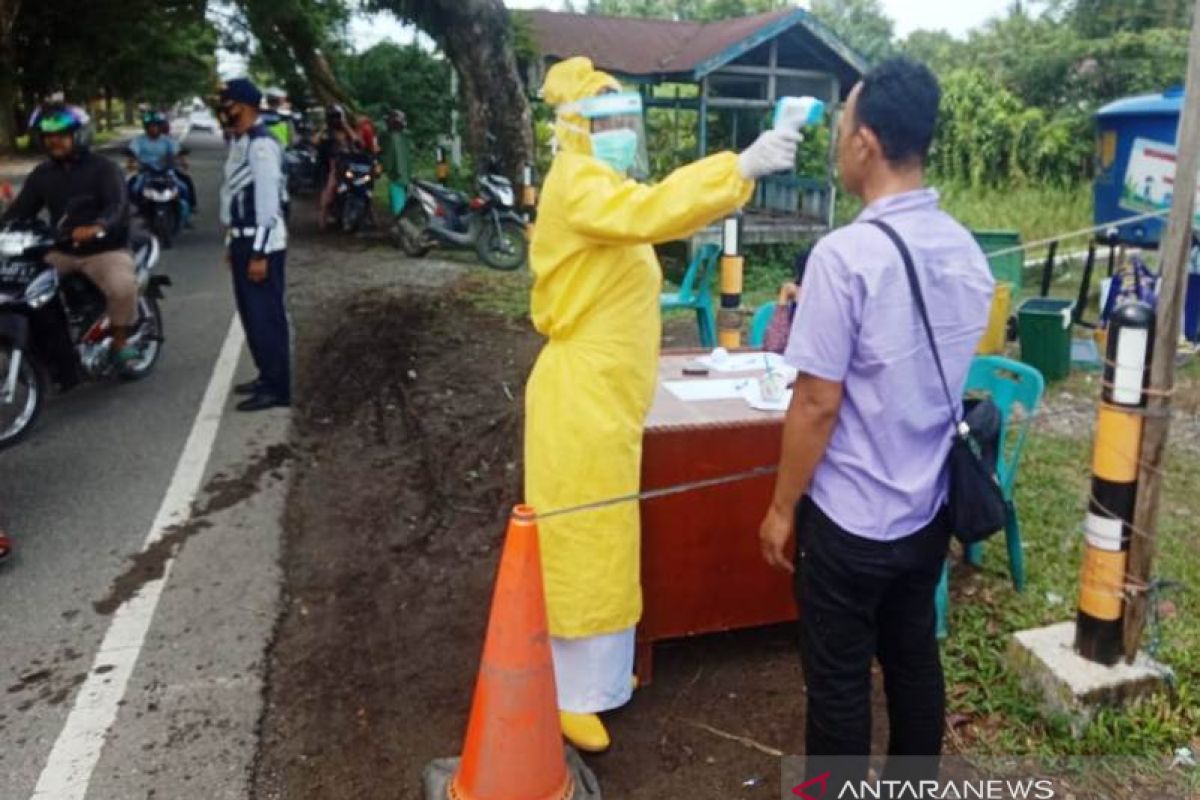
[694, 293]
[1008, 383]
[759, 324]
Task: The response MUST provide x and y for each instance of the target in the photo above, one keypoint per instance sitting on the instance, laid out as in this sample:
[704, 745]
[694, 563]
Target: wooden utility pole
[1175, 248]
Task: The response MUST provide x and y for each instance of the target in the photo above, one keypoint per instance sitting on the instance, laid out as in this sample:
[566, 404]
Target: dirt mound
[407, 464]
[410, 436]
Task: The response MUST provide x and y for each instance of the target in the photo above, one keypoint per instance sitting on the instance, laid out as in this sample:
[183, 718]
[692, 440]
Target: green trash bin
[1009, 266]
[1044, 328]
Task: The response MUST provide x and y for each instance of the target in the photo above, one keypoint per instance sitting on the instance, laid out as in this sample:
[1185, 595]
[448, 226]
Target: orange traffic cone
[514, 748]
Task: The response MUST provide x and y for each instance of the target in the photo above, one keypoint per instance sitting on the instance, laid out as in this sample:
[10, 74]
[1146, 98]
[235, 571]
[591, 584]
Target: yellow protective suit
[596, 298]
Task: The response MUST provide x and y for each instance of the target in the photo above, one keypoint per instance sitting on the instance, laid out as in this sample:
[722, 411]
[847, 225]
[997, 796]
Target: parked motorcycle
[353, 194]
[160, 202]
[435, 215]
[56, 329]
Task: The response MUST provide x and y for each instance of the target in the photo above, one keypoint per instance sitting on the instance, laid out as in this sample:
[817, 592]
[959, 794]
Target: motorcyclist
[397, 159]
[85, 196]
[154, 148]
[278, 118]
[338, 141]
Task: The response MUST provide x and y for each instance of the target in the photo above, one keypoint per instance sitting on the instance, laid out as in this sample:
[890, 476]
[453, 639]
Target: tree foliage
[863, 25]
[689, 10]
[152, 50]
[1020, 91]
[390, 76]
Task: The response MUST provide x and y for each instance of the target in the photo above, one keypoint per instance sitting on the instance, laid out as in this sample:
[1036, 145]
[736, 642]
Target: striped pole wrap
[442, 171]
[1116, 453]
[529, 198]
[729, 319]
[528, 192]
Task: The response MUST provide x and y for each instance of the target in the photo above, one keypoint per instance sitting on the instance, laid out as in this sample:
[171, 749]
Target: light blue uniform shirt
[154, 152]
[883, 474]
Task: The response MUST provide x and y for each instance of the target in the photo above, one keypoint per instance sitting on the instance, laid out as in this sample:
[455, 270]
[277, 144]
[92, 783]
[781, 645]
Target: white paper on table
[752, 394]
[743, 362]
[719, 389]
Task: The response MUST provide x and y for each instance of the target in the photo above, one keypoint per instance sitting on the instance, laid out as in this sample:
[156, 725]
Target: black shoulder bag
[977, 505]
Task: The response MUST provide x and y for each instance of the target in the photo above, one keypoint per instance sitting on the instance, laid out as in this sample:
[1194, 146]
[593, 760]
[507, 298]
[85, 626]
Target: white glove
[772, 151]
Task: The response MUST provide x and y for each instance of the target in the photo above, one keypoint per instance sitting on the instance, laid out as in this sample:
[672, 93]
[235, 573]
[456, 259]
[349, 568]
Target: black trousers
[261, 307]
[859, 600]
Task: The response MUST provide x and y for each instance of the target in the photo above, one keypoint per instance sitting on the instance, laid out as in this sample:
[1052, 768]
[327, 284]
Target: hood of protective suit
[569, 82]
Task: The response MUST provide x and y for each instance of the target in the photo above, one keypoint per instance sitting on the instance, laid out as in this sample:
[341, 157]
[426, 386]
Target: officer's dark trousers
[264, 317]
[862, 600]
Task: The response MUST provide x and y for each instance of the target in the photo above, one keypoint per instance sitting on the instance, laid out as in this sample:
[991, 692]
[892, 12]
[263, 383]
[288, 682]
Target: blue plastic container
[1191, 308]
[1118, 126]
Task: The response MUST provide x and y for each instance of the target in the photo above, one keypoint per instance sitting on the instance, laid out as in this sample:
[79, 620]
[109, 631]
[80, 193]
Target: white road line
[68, 770]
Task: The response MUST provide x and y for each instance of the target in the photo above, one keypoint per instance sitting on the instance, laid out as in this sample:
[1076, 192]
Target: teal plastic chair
[1008, 383]
[759, 324]
[694, 293]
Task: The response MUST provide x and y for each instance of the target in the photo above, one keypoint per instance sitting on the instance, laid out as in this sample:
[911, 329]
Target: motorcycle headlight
[160, 195]
[349, 175]
[361, 180]
[505, 195]
[41, 290]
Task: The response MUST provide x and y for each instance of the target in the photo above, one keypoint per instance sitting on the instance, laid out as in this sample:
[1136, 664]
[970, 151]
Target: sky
[955, 16]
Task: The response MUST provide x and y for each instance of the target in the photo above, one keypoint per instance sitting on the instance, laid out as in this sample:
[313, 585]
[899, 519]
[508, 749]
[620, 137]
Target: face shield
[615, 129]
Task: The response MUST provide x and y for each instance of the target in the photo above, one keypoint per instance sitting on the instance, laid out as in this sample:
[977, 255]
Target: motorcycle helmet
[62, 118]
[334, 115]
[155, 118]
[397, 119]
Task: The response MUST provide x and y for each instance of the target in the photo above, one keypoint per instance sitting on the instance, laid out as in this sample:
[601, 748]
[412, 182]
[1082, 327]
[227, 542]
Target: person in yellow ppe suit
[596, 298]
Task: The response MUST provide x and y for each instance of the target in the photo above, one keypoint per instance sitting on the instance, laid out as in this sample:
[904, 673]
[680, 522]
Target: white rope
[1083, 232]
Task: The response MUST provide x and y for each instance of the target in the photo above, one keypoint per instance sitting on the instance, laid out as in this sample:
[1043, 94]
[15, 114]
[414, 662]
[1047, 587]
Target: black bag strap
[915, 285]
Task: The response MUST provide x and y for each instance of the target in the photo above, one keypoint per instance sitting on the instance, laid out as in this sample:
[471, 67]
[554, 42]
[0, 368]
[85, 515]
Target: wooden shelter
[727, 74]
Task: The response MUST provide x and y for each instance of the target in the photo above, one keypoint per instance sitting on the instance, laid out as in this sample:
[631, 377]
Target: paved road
[80, 496]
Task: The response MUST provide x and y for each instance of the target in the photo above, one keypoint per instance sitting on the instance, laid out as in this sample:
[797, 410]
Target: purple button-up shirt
[883, 473]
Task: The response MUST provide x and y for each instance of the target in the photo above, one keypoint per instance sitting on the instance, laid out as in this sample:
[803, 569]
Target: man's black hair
[899, 103]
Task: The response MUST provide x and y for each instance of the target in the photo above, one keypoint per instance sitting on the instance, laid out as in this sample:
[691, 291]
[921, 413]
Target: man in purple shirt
[861, 478]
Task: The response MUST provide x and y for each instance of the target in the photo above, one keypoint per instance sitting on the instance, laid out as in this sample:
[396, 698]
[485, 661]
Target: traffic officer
[252, 199]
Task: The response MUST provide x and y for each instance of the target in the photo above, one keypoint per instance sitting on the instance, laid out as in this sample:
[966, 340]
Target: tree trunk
[477, 37]
[8, 73]
[108, 109]
[129, 105]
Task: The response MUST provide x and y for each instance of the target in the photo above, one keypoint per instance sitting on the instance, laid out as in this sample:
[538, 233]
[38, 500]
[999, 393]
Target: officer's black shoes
[249, 387]
[261, 402]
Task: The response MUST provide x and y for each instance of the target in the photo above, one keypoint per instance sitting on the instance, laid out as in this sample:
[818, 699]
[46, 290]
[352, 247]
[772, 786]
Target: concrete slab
[1072, 685]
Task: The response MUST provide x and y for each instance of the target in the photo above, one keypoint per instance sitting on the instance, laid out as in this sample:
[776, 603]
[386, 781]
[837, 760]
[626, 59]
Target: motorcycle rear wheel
[16, 423]
[504, 249]
[409, 231]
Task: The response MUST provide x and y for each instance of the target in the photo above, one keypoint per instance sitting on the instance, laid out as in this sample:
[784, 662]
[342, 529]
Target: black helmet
[334, 114]
[396, 118]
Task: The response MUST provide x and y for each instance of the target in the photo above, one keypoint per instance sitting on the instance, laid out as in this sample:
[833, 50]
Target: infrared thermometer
[795, 113]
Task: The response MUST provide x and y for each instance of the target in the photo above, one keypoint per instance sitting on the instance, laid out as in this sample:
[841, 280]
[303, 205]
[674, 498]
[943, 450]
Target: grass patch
[1038, 212]
[502, 293]
[1003, 718]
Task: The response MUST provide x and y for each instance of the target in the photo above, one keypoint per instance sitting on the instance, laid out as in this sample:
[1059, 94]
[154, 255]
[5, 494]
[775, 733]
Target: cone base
[438, 780]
